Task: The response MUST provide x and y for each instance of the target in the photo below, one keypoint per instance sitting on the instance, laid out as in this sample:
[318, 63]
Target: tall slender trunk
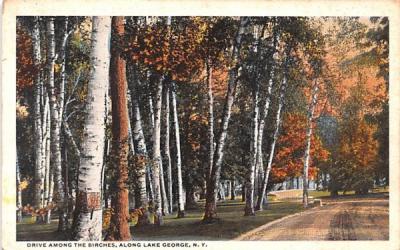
[142, 160]
[130, 133]
[88, 212]
[49, 169]
[63, 63]
[310, 115]
[210, 99]
[164, 197]
[45, 141]
[38, 134]
[55, 157]
[61, 107]
[167, 154]
[260, 199]
[19, 192]
[149, 170]
[249, 207]
[261, 127]
[211, 205]
[119, 226]
[157, 199]
[178, 157]
[233, 191]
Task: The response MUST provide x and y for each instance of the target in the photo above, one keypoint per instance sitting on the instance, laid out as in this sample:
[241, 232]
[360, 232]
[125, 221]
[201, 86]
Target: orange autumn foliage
[25, 67]
[168, 50]
[288, 161]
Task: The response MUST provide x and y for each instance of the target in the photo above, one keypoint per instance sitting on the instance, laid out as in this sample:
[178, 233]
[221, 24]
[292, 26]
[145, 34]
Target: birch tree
[252, 173]
[310, 115]
[211, 206]
[156, 157]
[88, 212]
[278, 118]
[142, 159]
[19, 191]
[167, 154]
[38, 134]
[55, 156]
[178, 157]
[210, 100]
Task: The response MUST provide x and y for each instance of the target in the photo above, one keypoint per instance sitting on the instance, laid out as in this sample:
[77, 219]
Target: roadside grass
[380, 192]
[231, 224]
[231, 221]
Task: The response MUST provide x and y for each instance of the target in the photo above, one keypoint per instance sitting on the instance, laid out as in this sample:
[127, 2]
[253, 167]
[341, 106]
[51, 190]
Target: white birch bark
[88, 217]
[310, 115]
[50, 172]
[178, 157]
[253, 171]
[210, 209]
[167, 154]
[263, 116]
[249, 207]
[140, 147]
[19, 191]
[273, 143]
[55, 157]
[210, 100]
[38, 133]
[46, 140]
[158, 220]
[63, 62]
[129, 108]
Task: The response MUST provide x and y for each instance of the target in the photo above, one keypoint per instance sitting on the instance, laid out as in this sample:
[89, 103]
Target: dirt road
[344, 220]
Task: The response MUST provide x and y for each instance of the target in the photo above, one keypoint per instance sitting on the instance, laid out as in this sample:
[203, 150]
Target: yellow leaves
[23, 185]
[22, 111]
[107, 213]
[28, 209]
[57, 68]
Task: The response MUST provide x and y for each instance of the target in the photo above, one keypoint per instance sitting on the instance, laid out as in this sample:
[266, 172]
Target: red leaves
[291, 146]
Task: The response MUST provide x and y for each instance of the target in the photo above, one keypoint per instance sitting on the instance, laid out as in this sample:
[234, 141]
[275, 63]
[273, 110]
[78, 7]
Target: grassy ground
[232, 223]
[325, 195]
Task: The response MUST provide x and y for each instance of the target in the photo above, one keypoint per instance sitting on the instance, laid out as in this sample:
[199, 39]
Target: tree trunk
[164, 197]
[249, 208]
[55, 157]
[210, 99]
[167, 154]
[221, 189]
[211, 205]
[260, 200]
[19, 192]
[130, 108]
[261, 126]
[178, 158]
[243, 192]
[46, 148]
[150, 168]
[49, 169]
[157, 199]
[88, 212]
[63, 73]
[119, 225]
[38, 133]
[233, 191]
[308, 142]
[142, 158]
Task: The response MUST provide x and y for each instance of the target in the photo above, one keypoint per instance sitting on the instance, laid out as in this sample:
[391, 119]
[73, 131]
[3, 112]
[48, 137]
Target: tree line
[142, 116]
